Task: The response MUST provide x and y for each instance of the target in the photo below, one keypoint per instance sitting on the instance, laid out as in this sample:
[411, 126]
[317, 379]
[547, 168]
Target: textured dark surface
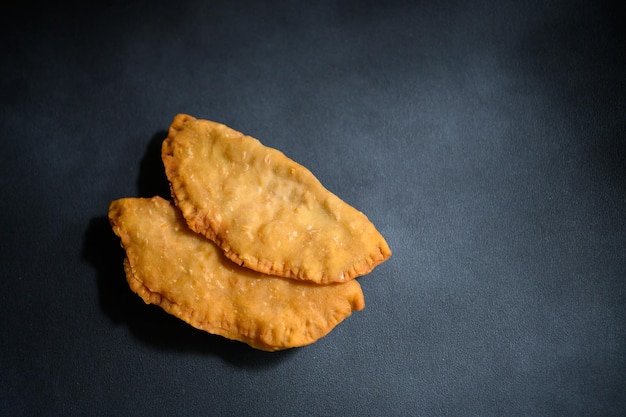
[485, 141]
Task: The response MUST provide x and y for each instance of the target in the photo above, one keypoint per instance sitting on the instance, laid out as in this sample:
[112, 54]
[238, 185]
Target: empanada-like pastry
[265, 211]
[189, 277]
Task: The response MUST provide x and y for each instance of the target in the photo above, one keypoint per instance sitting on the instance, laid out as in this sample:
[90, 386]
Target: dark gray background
[484, 139]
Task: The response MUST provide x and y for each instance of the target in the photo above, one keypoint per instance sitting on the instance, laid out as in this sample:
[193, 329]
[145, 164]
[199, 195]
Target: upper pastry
[264, 210]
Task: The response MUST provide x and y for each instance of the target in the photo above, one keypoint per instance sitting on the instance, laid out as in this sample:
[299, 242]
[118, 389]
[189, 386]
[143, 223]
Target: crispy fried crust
[264, 210]
[188, 276]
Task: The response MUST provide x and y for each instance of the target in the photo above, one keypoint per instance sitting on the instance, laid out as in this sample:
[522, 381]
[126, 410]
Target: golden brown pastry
[265, 211]
[188, 276]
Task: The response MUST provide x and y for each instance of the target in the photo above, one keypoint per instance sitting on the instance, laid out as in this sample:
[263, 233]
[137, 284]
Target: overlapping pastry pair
[252, 248]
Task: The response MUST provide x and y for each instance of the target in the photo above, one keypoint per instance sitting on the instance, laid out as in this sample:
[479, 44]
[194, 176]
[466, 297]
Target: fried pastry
[264, 210]
[189, 277]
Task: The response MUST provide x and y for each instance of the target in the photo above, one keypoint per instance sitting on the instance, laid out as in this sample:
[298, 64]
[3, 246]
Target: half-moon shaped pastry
[189, 277]
[265, 211]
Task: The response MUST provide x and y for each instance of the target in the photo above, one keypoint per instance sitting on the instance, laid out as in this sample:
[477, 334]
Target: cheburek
[264, 210]
[188, 276]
